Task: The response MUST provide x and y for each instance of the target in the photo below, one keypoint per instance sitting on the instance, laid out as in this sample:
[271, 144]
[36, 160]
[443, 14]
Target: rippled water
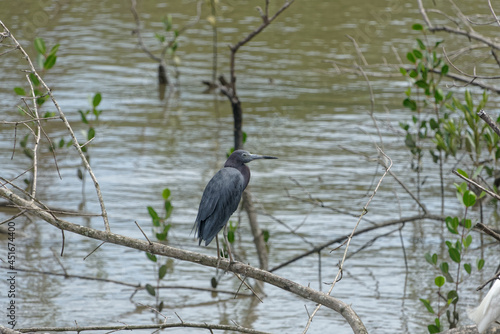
[294, 108]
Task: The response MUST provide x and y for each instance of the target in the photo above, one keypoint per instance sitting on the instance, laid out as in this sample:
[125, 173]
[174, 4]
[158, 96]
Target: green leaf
[54, 49]
[409, 103]
[417, 54]
[150, 290]
[462, 172]
[428, 258]
[152, 257]
[422, 84]
[468, 268]
[230, 236]
[244, 137]
[427, 305]
[266, 235]
[162, 271]
[153, 213]
[403, 71]
[438, 95]
[439, 281]
[452, 297]
[165, 194]
[34, 79]
[433, 329]
[468, 241]
[91, 133]
[417, 26]
[160, 306]
[454, 254]
[445, 69]
[421, 44]
[444, 267]
[97, 99]
[40, 45]
[160, 37]
[19, 91]
[40, 60]
[411, 57]
[467, 223]
[480, 264]
[83, 116]
[168, 209]
[469, 198]
[452, 224]
[468, 100]
[50, 61]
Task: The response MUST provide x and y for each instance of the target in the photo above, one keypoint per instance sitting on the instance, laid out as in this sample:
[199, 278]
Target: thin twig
[493, 12]
[495, 277]
[387, 162]
[144, 234]
[474, 183]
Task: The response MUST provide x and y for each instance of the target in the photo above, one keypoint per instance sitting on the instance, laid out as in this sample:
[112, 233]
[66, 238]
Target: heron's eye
[244, 154]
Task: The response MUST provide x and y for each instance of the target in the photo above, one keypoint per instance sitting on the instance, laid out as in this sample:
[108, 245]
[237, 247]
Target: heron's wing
[220, 199]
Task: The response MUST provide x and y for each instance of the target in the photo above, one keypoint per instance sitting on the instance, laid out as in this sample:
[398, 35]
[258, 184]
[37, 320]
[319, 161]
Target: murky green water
[294, 108]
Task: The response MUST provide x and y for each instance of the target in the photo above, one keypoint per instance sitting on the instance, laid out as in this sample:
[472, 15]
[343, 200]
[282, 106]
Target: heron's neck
[244, 170]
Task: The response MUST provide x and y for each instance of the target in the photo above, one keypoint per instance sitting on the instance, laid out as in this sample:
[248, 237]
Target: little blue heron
[222, 196]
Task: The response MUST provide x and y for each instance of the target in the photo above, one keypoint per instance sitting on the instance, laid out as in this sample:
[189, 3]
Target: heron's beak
[256, 156]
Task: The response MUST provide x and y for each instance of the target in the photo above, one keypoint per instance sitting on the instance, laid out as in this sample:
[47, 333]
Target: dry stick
[365, 210]
[481, 226]
[68, 127]
[489, 192]
[133, 327]
[491, 279]
[358, 232]
[256, 231]
[485, 117]
[37, 139]
[372, 100]
[234, 48]
[493, 12]
[450, 75]
[424, 14]
[474, 76]
[138, 32]
[230, 92]
[358, 50]
[337, 305]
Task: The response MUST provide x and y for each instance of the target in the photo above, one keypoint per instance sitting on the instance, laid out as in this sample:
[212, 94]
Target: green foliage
[89, 117]
[446, 284]
[160, 227]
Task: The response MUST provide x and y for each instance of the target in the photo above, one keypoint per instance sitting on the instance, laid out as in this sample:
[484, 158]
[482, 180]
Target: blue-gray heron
[222, 196]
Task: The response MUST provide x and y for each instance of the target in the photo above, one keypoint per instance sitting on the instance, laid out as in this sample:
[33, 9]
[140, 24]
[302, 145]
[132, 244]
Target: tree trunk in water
[258, 237]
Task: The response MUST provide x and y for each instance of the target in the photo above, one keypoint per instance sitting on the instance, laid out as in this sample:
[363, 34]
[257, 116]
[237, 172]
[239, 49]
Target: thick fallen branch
[156, 248]
[132, 327]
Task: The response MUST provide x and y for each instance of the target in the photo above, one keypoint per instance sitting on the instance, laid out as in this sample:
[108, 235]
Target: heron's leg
[218, 252]
[231, 260]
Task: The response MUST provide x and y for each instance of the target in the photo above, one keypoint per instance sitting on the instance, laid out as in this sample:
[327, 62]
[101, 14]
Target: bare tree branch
[156, 248]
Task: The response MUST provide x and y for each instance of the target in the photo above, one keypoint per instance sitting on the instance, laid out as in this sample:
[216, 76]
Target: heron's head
[242, 157]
